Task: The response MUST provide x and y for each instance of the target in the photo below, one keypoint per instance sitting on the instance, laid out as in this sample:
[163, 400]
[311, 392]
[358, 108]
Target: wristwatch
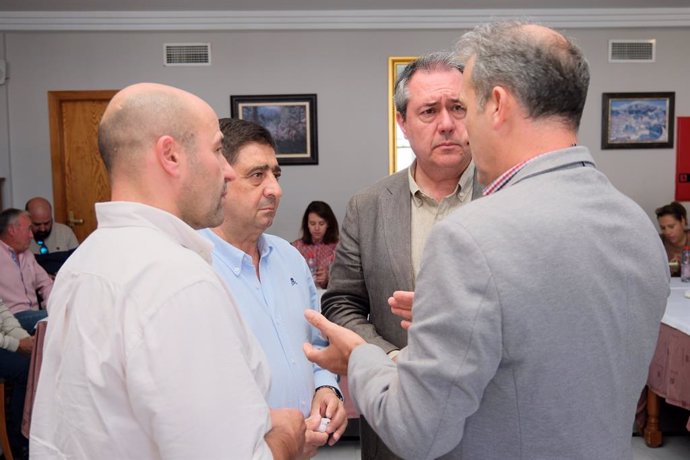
[335, 390]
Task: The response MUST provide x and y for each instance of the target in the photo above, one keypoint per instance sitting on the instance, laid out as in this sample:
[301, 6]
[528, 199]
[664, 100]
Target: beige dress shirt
[426, 211]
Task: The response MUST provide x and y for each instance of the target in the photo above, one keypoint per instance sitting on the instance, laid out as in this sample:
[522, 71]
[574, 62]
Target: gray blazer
[373, 259]
[536, 315]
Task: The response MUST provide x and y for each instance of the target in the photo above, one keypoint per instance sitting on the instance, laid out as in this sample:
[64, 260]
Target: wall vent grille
[187, 54]
[632, 50]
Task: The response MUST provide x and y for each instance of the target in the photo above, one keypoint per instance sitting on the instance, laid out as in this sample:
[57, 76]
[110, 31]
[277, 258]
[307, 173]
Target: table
[669, 371]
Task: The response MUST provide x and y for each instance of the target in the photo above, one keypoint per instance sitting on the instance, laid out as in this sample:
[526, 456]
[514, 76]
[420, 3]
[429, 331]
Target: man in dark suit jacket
[386, 225]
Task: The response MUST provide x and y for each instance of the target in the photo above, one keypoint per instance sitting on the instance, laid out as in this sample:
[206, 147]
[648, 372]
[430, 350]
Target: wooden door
[79, 176]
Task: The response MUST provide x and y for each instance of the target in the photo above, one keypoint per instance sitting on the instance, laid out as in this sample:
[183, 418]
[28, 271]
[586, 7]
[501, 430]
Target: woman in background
[319, 237]
[673, 219]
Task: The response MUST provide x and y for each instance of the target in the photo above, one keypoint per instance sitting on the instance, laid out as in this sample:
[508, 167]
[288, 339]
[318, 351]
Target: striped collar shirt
[504, 178]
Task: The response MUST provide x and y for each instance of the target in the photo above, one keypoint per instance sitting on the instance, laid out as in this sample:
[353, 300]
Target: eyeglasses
[42, 247]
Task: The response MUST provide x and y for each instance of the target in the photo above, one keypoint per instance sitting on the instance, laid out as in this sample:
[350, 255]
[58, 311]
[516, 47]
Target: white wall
[347, 70]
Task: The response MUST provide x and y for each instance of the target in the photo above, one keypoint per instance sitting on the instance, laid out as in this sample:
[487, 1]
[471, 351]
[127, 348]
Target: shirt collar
[232, 256]
[115, 214]
[9, 249]
[464, 183]
[504, 178]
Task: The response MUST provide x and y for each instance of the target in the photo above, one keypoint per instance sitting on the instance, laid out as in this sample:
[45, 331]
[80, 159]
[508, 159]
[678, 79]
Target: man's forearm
[281, 445]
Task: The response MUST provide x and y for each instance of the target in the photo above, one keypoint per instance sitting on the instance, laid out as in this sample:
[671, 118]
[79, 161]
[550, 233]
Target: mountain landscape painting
[638, 120]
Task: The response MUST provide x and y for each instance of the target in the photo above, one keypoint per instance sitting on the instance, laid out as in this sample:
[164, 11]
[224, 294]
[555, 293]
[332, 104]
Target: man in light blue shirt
[272, 283]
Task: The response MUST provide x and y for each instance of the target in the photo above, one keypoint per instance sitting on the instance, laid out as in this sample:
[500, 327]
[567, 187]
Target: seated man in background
[15, 352]
[21, 276]
[272, 283]
[49, 236]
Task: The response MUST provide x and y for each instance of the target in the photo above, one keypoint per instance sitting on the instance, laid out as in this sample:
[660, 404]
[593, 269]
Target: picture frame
[400, 154]
[637, 120]
[291, 120]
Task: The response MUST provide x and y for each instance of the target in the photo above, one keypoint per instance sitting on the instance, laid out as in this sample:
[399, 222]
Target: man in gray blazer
[537, 308]
[386, 226]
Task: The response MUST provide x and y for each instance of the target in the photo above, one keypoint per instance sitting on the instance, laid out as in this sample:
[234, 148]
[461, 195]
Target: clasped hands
[294, 437]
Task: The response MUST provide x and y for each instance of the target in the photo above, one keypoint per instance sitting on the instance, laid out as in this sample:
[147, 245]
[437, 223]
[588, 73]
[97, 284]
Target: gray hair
[9, 217]
[438, 61]
[547, 74]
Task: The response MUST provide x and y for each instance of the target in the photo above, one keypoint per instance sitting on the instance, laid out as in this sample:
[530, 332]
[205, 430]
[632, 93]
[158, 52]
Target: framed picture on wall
[290, 118]
[400, 153]
[637, 120]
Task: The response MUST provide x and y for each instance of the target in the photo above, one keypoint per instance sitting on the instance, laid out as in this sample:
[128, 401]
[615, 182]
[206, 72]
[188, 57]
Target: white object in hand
[324, 423]
[687, 294]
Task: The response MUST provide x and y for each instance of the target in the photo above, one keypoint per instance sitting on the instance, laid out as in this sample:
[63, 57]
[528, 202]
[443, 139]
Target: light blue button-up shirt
[273, 308]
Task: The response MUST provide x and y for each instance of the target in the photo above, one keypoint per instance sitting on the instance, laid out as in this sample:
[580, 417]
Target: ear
[401, 122]
[499, 105]
[168, 155]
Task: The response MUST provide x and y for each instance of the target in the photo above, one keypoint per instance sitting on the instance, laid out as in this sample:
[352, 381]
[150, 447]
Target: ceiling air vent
[632, 50]
[187, 54]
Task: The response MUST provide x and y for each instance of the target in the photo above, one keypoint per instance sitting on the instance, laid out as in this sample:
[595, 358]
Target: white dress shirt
[146, 355]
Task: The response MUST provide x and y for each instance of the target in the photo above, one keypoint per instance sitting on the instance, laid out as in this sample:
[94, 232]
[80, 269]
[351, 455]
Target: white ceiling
[282, 5]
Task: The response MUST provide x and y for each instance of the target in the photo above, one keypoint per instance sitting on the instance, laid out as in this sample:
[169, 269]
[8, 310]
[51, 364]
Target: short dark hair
[674, 209]
[431, 62]
[8, 217]
[238, 133]
[321, 209]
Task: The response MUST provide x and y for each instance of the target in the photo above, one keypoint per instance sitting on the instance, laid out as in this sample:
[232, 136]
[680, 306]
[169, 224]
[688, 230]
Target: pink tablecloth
[34, 370]
[669, 371]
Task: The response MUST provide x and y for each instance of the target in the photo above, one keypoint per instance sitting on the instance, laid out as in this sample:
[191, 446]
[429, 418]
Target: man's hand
[342, 341]
[327, 404]
[286, 437]
[26, 345]
[401, 305]
[314, 439]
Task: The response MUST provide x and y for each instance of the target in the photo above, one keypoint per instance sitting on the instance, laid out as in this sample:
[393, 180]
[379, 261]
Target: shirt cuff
[335, 390]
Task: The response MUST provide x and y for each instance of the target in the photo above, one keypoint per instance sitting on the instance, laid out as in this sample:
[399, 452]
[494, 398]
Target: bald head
[544, 71]
[162, 147]
[41, 214]
[39, 205]
[138, 116]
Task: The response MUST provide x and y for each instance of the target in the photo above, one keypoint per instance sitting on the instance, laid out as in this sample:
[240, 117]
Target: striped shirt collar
[504, 178]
